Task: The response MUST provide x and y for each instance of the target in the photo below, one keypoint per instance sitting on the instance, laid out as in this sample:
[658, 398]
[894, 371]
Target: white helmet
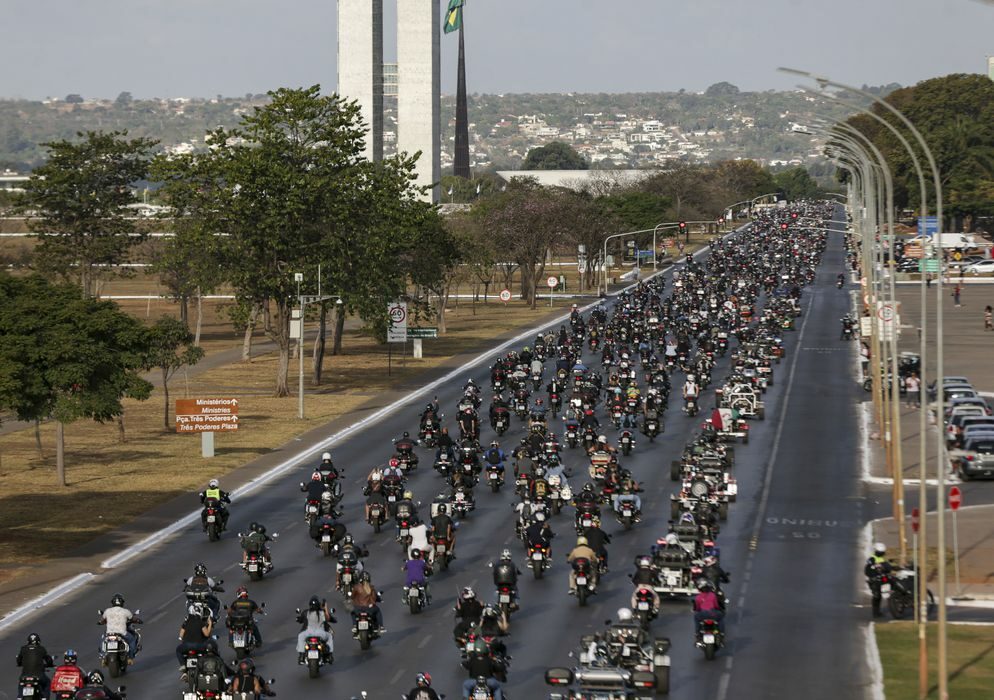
[213, 483]
[672, 539]
[624, 615]
[326, 457]
[554, 480]
[690, 377]
[879, 548]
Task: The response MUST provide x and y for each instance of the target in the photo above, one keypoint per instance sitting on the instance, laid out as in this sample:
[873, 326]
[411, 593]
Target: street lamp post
[302, 301]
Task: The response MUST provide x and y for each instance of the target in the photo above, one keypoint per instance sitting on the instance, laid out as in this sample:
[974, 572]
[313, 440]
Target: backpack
[253, 543]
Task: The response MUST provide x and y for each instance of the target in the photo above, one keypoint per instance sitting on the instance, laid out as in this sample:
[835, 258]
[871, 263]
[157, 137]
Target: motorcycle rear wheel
[114, 665]
[313, 668]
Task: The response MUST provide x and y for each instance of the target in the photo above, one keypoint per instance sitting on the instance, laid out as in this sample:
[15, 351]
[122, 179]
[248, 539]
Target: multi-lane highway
[791, 543]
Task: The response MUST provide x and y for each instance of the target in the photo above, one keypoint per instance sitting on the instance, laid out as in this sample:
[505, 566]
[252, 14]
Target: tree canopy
[554, 156]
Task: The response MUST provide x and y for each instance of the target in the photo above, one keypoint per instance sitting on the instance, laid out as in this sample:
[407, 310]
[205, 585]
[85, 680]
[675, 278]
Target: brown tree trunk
[184, 310]
[200, 317]
[443, 301]
[319, 341]
[38, 434]
[121, 435]
[60, 452]
[282, 338]
[249, 329]
[339, 330]
[165, 394]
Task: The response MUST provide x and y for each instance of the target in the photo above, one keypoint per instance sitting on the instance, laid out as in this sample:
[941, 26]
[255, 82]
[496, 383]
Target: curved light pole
[940, 467]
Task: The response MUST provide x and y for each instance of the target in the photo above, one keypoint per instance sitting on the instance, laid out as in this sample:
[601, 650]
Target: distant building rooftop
[578, 179]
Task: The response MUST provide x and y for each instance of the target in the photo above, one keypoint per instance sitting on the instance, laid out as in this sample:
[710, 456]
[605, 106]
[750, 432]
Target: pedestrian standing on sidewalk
[988, 318]
[956, 292]
[913, 386]
[928, 280]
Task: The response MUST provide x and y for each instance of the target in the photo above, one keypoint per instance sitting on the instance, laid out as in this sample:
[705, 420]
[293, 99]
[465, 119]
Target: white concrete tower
[419, 100]
[360, 65]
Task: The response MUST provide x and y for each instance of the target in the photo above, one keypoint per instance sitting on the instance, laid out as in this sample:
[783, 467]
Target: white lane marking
[44, 599]
[396, 676]
[424, 642]
[876, 687]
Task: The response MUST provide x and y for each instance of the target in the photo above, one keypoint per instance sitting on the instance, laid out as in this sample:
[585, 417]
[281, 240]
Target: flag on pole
[450, 191]
[453, 16]
[477, 189]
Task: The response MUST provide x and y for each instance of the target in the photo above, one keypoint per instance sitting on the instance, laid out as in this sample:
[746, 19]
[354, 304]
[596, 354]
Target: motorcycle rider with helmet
[468, 611]
[365, 597]
[495, 457]
[316, 621]
[416, 572]
[422, 689]
[247, 681]
[255, 542]
[194, 633]
[506, 574]
[214, 491]
[119, 620]
[96, 689]
[244, 609]
[68, 677]
[876, 567]
[442, 526]
[583, 551]
[708, 605]
[34, 660]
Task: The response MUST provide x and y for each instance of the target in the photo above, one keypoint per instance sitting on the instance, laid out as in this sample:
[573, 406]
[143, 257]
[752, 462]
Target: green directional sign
[928, 265]
[422, 333]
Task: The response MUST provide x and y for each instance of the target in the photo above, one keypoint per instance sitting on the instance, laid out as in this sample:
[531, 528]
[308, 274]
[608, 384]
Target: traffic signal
[783, 226]
[683, 226]
[685, 230]
[793, 215]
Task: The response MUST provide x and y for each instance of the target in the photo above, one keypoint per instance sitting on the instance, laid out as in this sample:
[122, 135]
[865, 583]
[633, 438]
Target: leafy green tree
[66, 356]
[81, 194]
[170, 348]
[123, 100]
[722, 89]
[635, 210]
[554, 156]
[74, 99]
[797, 183]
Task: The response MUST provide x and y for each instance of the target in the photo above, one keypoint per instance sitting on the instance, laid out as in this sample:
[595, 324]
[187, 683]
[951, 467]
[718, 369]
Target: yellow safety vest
[213, 493]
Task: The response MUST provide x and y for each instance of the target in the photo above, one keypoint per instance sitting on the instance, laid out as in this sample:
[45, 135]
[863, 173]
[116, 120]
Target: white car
[979, 268]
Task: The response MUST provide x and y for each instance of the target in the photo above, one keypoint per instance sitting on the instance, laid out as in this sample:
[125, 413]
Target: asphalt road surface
[791, 543]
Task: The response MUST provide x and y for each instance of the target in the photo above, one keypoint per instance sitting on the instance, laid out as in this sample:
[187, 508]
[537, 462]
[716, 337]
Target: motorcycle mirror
[272, 681]
[298, 611]
[275, 535]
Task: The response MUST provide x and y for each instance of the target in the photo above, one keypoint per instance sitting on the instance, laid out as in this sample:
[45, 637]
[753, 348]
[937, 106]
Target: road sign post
[505, 296]
[206, 416]
[552, 282]
[914, 553]
[955, 499]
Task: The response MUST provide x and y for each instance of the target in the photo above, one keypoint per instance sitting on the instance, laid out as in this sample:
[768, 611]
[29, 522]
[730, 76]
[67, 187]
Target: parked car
[979, 268]
[976, 459]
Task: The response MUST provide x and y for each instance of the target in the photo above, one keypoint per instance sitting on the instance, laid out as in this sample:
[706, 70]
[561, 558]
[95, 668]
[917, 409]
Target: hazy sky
[172, 48]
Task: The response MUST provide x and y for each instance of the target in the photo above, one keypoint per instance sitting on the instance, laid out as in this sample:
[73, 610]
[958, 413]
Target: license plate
[460, 498]
[440, 548]
[626, 650]
[709, 639]
[403, 532]
[643, 605]
[211, 518]
[493, 476]
[885, 588]
[363, 625]
[413, 593]
[238, 640]
[673, 580]
[505, 598]
[191, 662]
[253, 567]
[28, 690]
[313, 654]
[391, 498]
[537, 556]
[624, 440]
[587, 522]
[326, 538]
[312, 509]
[111, 646]
[581, 580]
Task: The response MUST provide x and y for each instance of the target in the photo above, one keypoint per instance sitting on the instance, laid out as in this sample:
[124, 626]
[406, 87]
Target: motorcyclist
[419, 540]
[213, 491]
[375, 497]
[254, 542]
[365, 597]
[34, 660]
[690, 389]
[422, 689]
[246, 680]
[626, 629]
[315, 488]
[95, 688]
[708, 605]
[598, 540]
[445, 445]
[506, 574]
[645, 572]
[68, 677]
[712, 571]
[194, 633]
[495, 457]
[404, 444]
[582, 551]
[211, 664]
[538, 533]
[480, 664]
[442, 526]
[316, 621]
[242, 611]
[416, 572]
[329, 474]
[469, 424]
[405, 508]
[349, 551]
[468, 611]
[202, 584]
[429, 417]
[338, 530]
[119, 620]
[498, 405]
[628, 490]
[645, 589]
[876, 567]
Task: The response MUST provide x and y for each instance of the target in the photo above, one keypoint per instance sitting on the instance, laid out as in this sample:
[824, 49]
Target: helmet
[506, 554]
[468, 593]
[262, 529]
[423, 680]
[394, 462]
[442, 509]
[316, 476]
[602, 439]
[624, 615]
[690, 377]
[554, 480]
[348, 539]
[672, 539]
[247, 666]
[588, 487]
[95, 678]
[213, 483]
[704, 585]
[710, 560]
[34, 639]
[70, 656]
[314, 603]
[241, 593]
[197, 609]
[254, 526]
[201, 569]
[376, 475]
[117, 600]
[364, 577]
[406, 434]
[415, 553]
[581, 541]
[326, 457]
[643, 561]
[408, 495]
[494, 444]
[879, 548]
[470, 383]
[326, 496]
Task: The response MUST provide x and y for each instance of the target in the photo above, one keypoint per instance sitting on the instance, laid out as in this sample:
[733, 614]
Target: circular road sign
[886, 313]
[397, 313]
[955, 498]
[914, 519]
[552, 281]
[505, 295]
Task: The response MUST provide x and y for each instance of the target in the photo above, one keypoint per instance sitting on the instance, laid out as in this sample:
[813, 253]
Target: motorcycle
[495, 477]
[690, 407]
[256, 566]
[416, 598]
[584, 580]
[114, 649]
[501, 422]
[404, 533]
[555, 404]
[626, 441]
[214, 518]
[311, 510]
[377, 516]
[572, 433]
[505, 599]
[348, 572]
[538, 559]
[241, 637]
[205, 596]
[363, 628]
[481, 691]
[462, 502]
[443, 465]
[644, 607]
[442, 554]
[316, 655]
[650, 428]
[626, 514]
[709, 638]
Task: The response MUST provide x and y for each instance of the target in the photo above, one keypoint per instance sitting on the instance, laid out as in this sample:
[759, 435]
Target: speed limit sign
[505, 295]
[552, 281]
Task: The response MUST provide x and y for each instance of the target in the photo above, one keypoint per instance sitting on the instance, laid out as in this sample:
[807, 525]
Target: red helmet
[394, 462]
[241, 593]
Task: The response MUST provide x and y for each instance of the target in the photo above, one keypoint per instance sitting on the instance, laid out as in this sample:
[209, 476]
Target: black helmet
[70, 656]
[314, 603]
[442, 509]
[95, 678]
[34, 639]
[247, 666]
[254, 526]
[200, 570]
[117, 600]
[407, 434]
[261, 530]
